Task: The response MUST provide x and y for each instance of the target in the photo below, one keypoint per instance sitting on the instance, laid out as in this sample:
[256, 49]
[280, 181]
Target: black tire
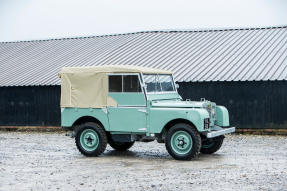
[120, 146]
[101, 135]
[210, 146]
[195, 137]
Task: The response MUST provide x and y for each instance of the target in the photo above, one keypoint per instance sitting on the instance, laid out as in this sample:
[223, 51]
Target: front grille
[206, 123]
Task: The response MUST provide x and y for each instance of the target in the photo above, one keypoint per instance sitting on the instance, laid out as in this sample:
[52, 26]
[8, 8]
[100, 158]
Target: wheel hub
[181, 142]
[89, 139]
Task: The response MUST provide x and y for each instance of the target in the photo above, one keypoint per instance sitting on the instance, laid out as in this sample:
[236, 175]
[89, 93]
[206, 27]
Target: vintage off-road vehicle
[123, 104]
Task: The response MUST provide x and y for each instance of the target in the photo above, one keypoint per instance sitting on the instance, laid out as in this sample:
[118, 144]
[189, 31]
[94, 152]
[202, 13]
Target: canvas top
[114, 69]
[87, 87]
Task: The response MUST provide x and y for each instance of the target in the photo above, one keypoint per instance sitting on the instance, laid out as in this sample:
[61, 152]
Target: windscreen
[159, 83]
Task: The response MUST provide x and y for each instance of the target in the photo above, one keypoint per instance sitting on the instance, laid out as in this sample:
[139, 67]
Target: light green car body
[150, 113]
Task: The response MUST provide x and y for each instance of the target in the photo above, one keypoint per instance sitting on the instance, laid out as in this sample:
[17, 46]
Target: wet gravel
[50, 161]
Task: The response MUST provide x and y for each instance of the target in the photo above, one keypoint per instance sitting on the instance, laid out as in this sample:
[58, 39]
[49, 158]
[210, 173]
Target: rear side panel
[70, 115]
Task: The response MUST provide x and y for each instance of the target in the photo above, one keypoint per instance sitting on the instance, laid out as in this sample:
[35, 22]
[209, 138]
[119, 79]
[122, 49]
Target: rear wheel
[210, 146]
[183, 142]
[120, 146]
[91, 139]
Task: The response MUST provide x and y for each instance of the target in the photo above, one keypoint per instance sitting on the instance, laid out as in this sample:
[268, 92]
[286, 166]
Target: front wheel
[210, 146]
[183, 142]
[91, 139]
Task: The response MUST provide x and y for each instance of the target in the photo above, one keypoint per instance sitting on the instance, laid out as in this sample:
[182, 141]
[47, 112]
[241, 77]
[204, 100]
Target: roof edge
[113, 69]
[155, 31]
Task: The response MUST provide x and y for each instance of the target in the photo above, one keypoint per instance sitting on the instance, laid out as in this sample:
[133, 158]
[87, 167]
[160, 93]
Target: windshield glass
[159, 83]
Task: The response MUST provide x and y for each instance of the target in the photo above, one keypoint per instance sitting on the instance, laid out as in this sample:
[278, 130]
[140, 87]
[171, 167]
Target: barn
[244, 69]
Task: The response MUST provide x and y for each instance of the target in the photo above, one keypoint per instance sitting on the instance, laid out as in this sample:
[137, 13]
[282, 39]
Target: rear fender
[69, 116]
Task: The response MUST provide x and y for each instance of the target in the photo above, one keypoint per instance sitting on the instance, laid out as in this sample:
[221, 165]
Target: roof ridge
[153, 31]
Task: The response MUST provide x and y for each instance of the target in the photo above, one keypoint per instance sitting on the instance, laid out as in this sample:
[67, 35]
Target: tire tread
[196, 141]
[217, 145]
[101, 133]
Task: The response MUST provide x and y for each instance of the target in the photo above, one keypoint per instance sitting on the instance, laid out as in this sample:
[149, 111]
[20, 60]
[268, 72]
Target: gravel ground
[50, 161]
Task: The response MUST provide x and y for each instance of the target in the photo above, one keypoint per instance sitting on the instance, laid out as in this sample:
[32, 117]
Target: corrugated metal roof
[252, 54]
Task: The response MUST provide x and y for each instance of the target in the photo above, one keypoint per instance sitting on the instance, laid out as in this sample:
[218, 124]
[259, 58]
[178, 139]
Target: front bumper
[217, 131]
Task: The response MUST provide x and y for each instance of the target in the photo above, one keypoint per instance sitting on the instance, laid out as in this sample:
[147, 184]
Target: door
[130, 115]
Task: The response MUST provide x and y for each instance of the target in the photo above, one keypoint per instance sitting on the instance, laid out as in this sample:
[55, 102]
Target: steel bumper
[217, 131]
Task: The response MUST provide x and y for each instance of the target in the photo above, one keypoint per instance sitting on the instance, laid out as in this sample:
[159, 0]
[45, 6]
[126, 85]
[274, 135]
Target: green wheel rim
[181, 142]
[89, 140]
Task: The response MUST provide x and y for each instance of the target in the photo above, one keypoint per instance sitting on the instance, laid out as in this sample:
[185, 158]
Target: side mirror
[176, 86]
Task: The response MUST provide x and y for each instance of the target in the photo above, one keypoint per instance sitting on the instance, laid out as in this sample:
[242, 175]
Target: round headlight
[213, 112]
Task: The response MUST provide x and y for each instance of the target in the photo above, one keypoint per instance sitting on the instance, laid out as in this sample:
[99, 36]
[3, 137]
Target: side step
[131, 138]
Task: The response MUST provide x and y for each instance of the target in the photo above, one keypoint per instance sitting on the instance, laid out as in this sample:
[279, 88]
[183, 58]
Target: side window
[115, 83]
[131, 83]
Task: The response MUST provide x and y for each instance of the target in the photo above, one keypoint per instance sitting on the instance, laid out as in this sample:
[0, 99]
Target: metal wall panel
[30, 106]
[250, 104]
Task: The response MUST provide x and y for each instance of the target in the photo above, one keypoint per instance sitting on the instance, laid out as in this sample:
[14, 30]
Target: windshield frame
[161, 92]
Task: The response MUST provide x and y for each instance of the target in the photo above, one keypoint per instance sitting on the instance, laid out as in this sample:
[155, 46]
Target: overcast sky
[42, 19]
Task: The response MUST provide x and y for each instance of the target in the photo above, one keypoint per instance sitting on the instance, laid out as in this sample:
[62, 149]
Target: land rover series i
[119, 105]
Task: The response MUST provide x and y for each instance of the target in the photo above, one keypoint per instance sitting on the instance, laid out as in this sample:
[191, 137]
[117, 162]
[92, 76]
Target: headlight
[211, 108]
[213, 112]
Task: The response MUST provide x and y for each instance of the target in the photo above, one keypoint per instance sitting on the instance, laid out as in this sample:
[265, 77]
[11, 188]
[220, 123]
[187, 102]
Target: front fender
[159, 117]
[197, 116]
[222, 116]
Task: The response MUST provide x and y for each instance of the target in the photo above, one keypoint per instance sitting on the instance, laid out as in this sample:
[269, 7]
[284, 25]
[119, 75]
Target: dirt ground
[50, 161]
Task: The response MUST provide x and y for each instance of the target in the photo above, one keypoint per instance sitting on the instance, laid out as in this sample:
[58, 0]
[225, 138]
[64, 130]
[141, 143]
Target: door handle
[142, 110]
